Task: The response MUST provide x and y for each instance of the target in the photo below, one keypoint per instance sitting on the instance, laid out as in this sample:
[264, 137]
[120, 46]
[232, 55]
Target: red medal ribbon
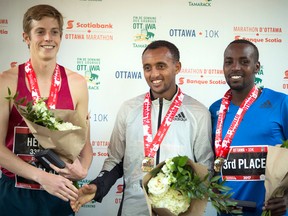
[222, 147]
[54, 89]
[152, 146]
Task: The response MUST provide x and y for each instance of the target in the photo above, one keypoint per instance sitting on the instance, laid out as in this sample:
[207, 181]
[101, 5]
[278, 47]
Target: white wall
[200, 32]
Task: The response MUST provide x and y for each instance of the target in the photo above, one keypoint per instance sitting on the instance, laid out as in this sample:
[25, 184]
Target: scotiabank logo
[70, 24]
[286, 74]
[89, 25]
[181, 81]
[119, 188]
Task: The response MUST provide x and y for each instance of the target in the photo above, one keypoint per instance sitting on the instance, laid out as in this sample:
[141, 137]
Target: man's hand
[277, 206]
[85, 195]
[74, 171]
[58, 186]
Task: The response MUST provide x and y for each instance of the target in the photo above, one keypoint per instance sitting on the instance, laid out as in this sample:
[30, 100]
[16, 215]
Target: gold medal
[147, 164]
[218, 163]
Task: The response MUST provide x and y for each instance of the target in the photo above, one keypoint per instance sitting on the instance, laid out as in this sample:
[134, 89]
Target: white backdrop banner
[103, 40]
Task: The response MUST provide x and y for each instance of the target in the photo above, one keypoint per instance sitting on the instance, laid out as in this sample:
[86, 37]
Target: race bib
[25, 146]
[245, 163]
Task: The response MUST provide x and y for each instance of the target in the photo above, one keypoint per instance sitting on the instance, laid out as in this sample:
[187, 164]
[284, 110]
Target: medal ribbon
[54, 89]
[151, 147]
[222, 147]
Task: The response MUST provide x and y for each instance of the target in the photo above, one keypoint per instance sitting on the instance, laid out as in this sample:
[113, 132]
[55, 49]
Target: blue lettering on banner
[128, 75]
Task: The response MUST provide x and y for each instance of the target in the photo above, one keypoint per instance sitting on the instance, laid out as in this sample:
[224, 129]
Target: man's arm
[53, 184]
[79, 168]
[203, 145]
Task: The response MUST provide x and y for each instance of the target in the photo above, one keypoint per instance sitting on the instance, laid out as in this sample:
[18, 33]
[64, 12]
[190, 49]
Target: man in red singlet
[24, 188]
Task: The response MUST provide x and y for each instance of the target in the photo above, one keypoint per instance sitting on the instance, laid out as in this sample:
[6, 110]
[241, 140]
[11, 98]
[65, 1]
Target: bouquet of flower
[179, 186]
[276, 172]
[60, 130]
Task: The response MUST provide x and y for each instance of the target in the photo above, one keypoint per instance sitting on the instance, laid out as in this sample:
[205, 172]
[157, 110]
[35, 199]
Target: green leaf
[284, 144]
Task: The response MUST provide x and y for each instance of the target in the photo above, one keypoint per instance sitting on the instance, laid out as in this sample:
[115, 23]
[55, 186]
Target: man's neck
[43, 68]
[166, 97]
[239, 96]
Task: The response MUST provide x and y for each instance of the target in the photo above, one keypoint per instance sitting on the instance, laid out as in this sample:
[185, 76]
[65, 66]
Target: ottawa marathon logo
[144, 28]
[88, 31]
[90, 67]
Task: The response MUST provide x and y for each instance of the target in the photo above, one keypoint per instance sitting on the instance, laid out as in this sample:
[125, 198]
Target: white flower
[66, 126]
[158, 184]
[161, 194]
[173, 200]
[41, 115]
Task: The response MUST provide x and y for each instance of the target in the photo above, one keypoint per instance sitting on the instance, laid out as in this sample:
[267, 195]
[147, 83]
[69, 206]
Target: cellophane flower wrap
[61, 130]
[276, 172]
[178, 186]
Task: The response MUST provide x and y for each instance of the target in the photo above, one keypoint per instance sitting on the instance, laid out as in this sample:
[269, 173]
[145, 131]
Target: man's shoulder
[272, 92]
[189, 100]
[9, 76]
[74, 76]
[136, 100]
[194, 106]
[215, 106]
[273, 95]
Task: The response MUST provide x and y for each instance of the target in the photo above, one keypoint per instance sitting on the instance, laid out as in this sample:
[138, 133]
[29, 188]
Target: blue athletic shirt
[264, 123]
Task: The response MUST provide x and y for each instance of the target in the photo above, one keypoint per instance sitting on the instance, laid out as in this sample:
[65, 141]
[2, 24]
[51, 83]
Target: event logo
[100, 148]
[258, 80]
[92, 203]
[202, 76]
[90, 67]
[258, 34]
[3, 26]
[192, 33]
[203, 3]
[88, 31]
[144, 28]
[100, 144]
[128, 74]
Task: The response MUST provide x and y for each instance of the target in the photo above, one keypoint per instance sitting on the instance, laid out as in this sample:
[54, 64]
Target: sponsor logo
[266, 104]
[180, 117]
[76, 30]
[100, 154]
[258, 34]
[185, 80]
[90, 68]
[201, 76]
[119, 189]
[285, 79]
[203, 3]
[144, 28]
[286, 74]
[3, 26]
